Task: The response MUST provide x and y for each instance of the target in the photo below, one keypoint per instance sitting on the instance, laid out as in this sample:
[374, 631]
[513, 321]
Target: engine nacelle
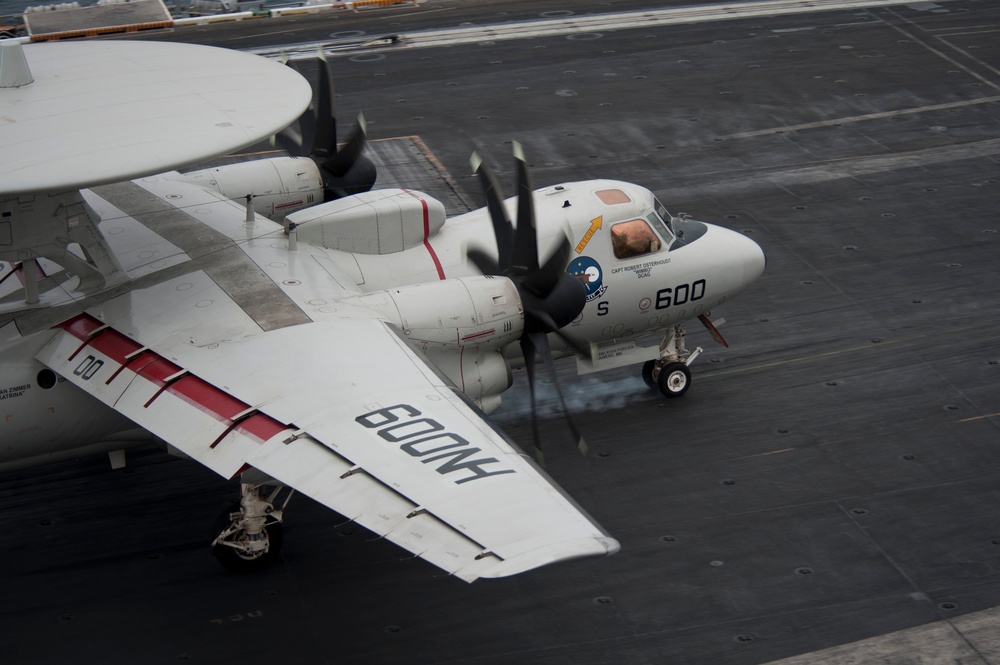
[461, 325]
[383, 221]
[453, 313]
[279, 186]
[482, 374]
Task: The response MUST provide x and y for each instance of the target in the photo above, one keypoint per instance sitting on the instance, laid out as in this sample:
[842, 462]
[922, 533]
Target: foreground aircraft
[347, 353]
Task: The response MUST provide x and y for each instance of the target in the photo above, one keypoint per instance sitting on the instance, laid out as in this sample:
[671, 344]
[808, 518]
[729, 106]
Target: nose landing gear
[670, 371]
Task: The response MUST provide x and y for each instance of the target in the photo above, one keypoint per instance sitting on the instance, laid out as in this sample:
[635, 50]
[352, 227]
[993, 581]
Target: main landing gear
[670, 372]
[250, 534]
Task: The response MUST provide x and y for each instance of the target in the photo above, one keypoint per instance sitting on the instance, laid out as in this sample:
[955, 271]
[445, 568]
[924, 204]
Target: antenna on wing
[14, 70]
[345, 171]
[551, 297]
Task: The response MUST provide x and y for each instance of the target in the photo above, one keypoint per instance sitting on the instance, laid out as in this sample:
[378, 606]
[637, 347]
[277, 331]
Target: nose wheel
[673, 379]
[670, 373]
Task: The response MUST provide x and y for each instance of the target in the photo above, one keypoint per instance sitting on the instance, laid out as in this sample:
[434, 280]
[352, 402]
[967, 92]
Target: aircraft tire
[236, 561]
[674, 380]
[647, 373]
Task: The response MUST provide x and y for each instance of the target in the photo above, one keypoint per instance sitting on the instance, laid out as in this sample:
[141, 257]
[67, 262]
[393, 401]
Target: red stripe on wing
[170, 377]
[81, 326]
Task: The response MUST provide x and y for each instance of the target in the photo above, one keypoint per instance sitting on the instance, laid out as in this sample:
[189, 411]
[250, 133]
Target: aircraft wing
[341, 410]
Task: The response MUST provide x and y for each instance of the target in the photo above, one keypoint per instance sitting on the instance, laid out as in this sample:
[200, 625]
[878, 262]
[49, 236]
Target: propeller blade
[580, 348]
[541, 342]
[297, 138]
[289, 139]
[502, 229]
[341, 161]
[324, 142]
[307, 121]
[528, 351]
[544, 279]
[525, 258]
[484, 262]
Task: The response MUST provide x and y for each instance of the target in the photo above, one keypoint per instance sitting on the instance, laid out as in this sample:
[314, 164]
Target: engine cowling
[279, 186]
[383, 221]
[461, 325]
[454, 313]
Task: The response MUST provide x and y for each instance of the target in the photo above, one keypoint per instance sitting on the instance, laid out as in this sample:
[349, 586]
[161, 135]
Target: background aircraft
[339, 353]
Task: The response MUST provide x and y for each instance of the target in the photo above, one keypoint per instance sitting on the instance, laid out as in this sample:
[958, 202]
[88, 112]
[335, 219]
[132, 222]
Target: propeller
[551, 297]
[314, 135]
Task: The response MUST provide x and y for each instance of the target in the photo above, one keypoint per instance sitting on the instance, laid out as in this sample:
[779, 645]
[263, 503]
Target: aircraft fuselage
[643, 272]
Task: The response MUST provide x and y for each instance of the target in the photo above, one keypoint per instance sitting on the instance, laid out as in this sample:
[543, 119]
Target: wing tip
[560, 552]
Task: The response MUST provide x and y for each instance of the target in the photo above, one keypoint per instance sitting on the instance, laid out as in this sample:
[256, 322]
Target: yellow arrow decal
[594, 225]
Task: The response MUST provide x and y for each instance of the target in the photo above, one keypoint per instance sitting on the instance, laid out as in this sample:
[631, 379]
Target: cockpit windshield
[660, 219]
[661, 210]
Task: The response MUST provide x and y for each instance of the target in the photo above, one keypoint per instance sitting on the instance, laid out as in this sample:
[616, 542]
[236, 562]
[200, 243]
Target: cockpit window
[661, 218]
[633, 238]
[612, 197]
[661, 210]
[663, 227]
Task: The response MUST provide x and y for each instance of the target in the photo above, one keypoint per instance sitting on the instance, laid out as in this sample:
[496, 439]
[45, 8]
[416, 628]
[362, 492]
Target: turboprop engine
[461, 325]
[315, 173]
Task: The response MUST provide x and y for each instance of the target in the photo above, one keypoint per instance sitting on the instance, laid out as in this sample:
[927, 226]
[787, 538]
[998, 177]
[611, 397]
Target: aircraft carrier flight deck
[828, 490]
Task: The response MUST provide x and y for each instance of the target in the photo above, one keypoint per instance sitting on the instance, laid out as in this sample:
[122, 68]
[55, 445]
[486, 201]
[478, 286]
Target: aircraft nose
[753, 258]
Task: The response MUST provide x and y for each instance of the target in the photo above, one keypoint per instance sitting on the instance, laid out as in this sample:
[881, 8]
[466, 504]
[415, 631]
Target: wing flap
[334, 481]
[204, 422]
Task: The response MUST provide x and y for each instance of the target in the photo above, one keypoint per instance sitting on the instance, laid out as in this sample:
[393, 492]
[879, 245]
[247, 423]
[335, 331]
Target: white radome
[100, 112]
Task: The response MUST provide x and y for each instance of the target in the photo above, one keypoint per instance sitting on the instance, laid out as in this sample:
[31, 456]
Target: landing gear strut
[250, 532]
[670, 372]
